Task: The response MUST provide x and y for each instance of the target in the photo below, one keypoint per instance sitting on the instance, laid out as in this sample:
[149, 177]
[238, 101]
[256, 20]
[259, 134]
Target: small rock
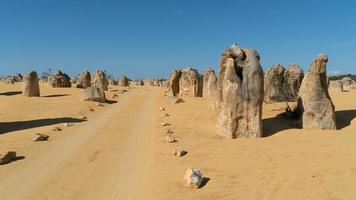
[56, 128]
[174, 100]
[169, 131]
[100, 104]
[166, 115]
[83, 117]
[92, 110]
[170, 139]
[165, 124]
[179, 152]
[40, 137]
[115, 96]
[162, 109]
[193, 178]
[7, 157]
[68, 124]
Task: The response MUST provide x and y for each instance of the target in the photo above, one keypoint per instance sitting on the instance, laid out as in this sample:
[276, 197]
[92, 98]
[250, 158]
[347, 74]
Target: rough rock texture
[336, 86]
[174, 82]
[179, 152]
[293, 78]
[314, 103]
[30, 86]
[193, 178]
[7, 157]
[40, 137]
[59, 79]
[186, 82]
[209, 85]
[94, 94]
[123, 81]
[239, 93]
[348, 83]
[100, 80]
[274, 85]
[84, 80]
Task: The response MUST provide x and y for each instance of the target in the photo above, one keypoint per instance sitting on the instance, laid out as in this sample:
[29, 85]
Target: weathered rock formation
[348, 83]
[239, 93]
[209, 85]
[7, 157]
[314, 103]
[282, 84]
[293, 78]
[123, 81]
[336, 86]
[186, 82]
[94, 94]
[274, 84]
[59, 79]
[100, 80]
[30, 86]
[84, 80]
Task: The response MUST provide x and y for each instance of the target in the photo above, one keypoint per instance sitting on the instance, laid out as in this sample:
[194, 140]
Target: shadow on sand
[110, 101]
[12, 93]
[278, 123]
[344, 118]
[57, 95]
[6, 127]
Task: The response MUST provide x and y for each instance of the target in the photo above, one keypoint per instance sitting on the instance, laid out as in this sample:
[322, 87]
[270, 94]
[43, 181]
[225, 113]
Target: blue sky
[144, 39]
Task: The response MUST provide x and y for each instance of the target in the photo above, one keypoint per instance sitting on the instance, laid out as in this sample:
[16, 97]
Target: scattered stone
[169, 131]
[83, 117]
[170, 139]
[179, 152]
[40, 137]
[100, 105]
[161, 109]
[30, 86]
[7, 157]
[165, 124]
[174, 100]
[94, 94]
[91, 109]
[100, 80]
[315, 106]
[193, 178]
[240, 94]
[56, 128]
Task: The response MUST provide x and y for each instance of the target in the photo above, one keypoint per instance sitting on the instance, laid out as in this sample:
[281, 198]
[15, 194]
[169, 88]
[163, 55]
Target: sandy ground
[120, 151]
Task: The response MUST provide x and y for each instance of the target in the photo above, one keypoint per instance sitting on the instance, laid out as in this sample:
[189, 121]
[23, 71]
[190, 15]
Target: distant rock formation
[100, 80]
[30, 86]
[314, 103]
[84, 80]
[123, 81]
[59, 79]
[293, 78]
[240, 93]
[186, 82]
[336, 86]
[274, 84]
[209, 86]
[348, 83]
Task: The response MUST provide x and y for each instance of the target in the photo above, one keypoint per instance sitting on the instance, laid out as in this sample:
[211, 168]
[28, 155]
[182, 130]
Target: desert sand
[119, 151]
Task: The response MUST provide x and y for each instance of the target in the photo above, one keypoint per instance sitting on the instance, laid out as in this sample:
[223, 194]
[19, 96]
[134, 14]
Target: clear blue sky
[151, 37]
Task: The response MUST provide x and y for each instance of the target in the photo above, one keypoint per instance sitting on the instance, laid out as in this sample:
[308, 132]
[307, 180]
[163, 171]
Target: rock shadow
[110, 101]
[12, 93]
[205, 181]
[344, 118]
[278, 123]
[57, 95]
[7, 127]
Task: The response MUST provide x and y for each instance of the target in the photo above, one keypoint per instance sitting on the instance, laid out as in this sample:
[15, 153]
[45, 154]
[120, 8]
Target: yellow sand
[120, 152]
